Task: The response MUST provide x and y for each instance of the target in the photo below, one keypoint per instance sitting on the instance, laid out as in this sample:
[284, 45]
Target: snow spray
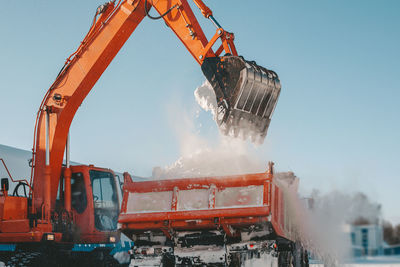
[199, 157]
[321, 228]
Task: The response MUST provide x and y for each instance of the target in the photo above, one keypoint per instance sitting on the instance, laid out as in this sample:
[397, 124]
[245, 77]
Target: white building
[367, 239]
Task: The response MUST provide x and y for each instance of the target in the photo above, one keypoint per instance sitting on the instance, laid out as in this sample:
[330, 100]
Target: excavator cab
[246, 95]
[94, 203]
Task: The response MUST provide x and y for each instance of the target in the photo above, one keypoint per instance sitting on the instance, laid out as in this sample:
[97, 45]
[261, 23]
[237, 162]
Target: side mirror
[4, 184]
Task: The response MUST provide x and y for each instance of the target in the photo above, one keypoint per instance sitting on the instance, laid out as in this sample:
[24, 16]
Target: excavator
[66, 207]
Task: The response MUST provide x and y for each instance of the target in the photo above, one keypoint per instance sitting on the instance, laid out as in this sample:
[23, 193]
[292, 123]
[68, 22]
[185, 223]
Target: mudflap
[246, 95]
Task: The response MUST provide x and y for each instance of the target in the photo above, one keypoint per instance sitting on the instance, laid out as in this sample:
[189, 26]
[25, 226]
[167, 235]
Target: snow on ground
[363, 264]
[379, 261]
[266, 260]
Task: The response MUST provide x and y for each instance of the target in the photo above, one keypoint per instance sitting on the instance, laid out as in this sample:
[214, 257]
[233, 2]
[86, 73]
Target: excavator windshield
[105, 200]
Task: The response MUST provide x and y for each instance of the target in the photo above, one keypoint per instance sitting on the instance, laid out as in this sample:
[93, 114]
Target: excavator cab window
[105, 200]
[78, 192]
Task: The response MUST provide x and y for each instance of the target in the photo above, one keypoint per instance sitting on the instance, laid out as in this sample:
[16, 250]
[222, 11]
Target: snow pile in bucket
[205, 97]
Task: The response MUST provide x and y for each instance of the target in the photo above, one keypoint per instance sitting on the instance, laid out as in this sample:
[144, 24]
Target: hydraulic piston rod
[67, 178]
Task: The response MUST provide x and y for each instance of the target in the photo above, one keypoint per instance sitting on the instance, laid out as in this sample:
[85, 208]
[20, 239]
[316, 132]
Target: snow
[320, 230]
[200, 156]
[323, 229]
[122, 257]
[209, 254]
[205, 97]
[147, 261]
[265, 260]
[229, 157]
[378, 261]
[362, 265]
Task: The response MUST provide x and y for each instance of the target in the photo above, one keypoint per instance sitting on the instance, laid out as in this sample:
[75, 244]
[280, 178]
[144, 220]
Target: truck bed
[229, 203]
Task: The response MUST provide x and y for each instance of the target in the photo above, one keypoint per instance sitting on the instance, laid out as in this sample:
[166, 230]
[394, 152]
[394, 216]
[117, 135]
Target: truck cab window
[78, 192]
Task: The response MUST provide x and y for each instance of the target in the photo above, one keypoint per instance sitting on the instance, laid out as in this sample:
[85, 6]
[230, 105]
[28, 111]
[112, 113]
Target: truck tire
[235, 260]
[304, 258]
[285, 259]
[300, 255]
[168, 261]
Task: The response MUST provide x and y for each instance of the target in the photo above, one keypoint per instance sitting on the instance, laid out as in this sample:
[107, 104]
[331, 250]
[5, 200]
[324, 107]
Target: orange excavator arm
[112, 26]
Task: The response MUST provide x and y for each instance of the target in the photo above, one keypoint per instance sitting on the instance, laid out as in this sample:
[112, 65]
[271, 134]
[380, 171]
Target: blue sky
[336, 124]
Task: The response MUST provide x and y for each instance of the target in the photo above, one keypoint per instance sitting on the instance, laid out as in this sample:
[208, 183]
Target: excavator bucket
[246, 95]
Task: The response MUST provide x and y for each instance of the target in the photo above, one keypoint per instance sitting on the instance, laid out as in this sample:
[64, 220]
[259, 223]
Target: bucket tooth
[246, 95]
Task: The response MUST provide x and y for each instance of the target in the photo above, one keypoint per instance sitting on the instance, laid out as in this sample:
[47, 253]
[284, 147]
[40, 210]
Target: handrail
[16, 181]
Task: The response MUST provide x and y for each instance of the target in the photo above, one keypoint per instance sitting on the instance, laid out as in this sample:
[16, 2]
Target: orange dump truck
[212, 221]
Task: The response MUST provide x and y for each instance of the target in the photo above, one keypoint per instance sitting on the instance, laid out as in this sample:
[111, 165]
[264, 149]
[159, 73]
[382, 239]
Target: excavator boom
[79, 205]
[246, 93]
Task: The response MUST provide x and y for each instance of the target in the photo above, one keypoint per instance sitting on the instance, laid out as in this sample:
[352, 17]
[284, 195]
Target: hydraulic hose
[15, 192]
[158, 17]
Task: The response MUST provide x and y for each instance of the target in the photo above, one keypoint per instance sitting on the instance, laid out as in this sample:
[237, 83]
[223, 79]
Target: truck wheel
[299, 255]
[168, 261]
[304, 258]
[285, 259]
[235, 260]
